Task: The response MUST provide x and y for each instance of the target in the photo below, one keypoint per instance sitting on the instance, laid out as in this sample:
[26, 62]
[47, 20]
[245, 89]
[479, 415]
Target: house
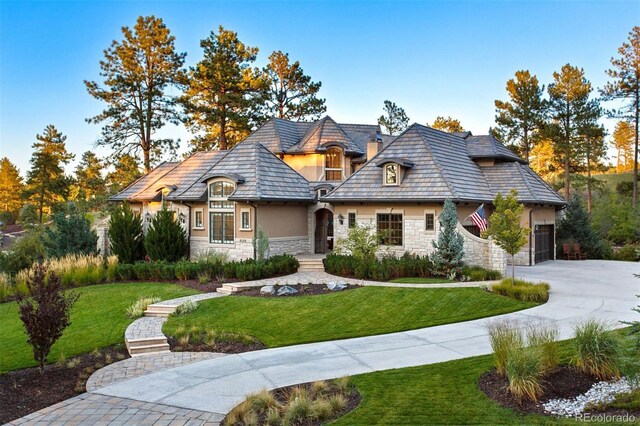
[304, 184]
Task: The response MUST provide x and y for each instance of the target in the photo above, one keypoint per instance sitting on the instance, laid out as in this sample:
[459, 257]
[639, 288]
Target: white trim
[342, 162]
[195, 226]
[424, 219]
[243, 211]
[384, 174]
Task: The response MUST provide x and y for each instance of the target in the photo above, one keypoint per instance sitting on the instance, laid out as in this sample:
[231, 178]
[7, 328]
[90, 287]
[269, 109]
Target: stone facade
[241, 249]
[289, 245]
[482, 252]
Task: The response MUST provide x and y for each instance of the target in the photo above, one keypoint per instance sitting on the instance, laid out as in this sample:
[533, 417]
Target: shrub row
[522, 290]
[390, 267]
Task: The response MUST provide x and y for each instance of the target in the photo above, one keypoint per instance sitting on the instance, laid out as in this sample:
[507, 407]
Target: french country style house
[305, 184]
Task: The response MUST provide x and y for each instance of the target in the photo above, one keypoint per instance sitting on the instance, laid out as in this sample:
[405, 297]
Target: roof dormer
[393, 170]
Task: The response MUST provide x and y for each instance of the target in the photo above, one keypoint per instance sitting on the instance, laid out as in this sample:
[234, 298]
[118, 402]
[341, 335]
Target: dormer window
[333, 164]
[391, 174]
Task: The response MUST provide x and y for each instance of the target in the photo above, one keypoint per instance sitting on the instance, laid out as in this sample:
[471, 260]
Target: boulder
[267, 289]
[286, 290]
[336, 286]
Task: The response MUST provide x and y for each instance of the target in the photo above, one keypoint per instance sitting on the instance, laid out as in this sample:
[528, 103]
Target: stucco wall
[283, 220]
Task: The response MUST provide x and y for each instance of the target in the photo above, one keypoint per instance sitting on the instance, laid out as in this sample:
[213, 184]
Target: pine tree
[91, 183]
[504, 226]
[11, 186]
[594, 149]
[165, 239]
[572, 114]
[575, 226]
[70, 234]
[125, 234]
[291, 94]
[46, 181]
[224, 95]
[447, 257]
[125, 170]
[139, 73]
[622, 141]
[520, 118]
[447, 124]
[625, 85]
[394, 120]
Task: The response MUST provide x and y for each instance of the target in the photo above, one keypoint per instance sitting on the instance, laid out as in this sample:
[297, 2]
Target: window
[245, 220]
[321, 193]
[333, 164]
[222, 226]
[198, 218]
[390, 228]
[352, 220]
[429, 222]
[391, 174]
[221, 213]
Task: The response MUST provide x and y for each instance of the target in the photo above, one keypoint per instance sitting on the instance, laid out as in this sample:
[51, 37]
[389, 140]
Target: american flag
[479, 219]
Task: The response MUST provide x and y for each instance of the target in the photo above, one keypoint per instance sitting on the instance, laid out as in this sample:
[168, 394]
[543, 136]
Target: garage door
[544, 243]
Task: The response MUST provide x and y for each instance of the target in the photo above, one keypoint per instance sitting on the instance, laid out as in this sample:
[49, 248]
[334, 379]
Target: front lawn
[426, 280]
[360, 312]
[97, 320]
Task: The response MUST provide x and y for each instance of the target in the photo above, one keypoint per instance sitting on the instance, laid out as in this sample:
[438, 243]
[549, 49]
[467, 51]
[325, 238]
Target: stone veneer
[243, 247]
[477, 251]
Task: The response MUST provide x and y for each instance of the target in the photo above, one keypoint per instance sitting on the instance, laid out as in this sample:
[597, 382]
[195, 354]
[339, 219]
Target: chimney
[374, 146]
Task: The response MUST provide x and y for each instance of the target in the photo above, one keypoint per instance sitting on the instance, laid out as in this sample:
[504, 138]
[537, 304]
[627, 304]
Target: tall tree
[593, 150]
[572, 113]
[90, 181]
[46, 181]
[449, 247]
[520, 118]
[291, 94]
[625, 85]
[224, 94]
[11, 186]
[544, 162]
[622, 141]
[126, 170]
[394, 119]
[139, 72]
[447, 124]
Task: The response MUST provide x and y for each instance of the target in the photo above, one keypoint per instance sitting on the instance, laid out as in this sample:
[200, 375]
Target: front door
[324, 231]
[544, 243]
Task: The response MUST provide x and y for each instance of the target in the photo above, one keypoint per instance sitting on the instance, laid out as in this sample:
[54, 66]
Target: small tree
[362, 242]
[576, 226]
[125, 234]
[447, 257]
[44, 311]
[504, 226]
[166, 240]
[261, 245]
[70, 233]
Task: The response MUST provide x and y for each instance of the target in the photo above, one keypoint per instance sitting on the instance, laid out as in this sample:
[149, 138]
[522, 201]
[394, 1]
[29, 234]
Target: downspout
[530, 235]
[189, 231]
[255, 229]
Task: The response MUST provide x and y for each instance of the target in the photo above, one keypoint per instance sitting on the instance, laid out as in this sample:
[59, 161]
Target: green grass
[353, 313]
[97, 320]
[427, 280]
[612, 179]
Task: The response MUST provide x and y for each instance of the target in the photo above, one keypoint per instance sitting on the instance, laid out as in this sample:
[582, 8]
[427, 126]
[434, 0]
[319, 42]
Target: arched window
[333, 164]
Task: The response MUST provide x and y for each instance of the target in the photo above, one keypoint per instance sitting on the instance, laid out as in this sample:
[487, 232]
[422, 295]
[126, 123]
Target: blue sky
[432, 58]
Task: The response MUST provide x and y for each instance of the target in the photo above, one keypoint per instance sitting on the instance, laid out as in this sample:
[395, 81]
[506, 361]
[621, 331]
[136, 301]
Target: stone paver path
[145, 328]
[194, 298]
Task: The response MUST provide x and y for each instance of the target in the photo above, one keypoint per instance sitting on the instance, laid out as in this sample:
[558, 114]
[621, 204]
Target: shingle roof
[325, 132]
[486, 146]
[279, 135]
[188, 176]
[502, 177]
[143, 182]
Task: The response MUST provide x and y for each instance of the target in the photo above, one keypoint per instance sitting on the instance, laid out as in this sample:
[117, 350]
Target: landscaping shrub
[628, 253]
[522, 290]
[45, 311]
[544, 337]
[447, 257]
[387, 268]
[598, 351]
[185, 308]
[136, 309]
[261, 244]
[524, 368]
[24, 252]
[165, 239]
[477, 273]
[575, 226]
[125, 234]
[505, 339]
[70, 233]
[361, 242]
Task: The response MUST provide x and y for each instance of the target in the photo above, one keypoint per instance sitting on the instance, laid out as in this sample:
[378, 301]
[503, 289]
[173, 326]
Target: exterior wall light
[341, 219]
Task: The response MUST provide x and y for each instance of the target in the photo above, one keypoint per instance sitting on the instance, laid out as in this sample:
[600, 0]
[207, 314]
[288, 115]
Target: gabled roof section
[326, 132]
[442, 169]
[502, 177]
[142, 183]
[187, 176]
[486, 146]
[279, 135]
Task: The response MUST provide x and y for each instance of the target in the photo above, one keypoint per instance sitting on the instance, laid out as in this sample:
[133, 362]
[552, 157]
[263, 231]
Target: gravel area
[601, 392]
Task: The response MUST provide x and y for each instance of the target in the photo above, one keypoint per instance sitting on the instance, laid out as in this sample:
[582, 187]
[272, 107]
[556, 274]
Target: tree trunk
[42, 194]
[635, 161]
[589, 196]
[223, 132]
[525, 139]
[513, 269]
[567, 186]
[147, 161]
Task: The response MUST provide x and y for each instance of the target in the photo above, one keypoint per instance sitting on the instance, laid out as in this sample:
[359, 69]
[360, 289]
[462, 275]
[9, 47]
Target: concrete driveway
[580, 289]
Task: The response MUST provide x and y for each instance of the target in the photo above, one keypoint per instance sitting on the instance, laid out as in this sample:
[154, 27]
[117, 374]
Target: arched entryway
[323, 231]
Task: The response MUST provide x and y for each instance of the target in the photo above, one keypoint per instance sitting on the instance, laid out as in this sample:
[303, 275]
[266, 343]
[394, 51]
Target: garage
[544, 243]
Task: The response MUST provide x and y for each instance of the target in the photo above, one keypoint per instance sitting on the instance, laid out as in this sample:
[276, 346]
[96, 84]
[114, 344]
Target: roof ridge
[435, 161]
[175, 164]
[258, 183]
[526, 181]
[533, 174]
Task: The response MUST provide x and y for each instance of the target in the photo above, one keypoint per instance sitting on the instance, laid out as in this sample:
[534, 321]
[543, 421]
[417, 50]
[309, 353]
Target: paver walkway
[598, 289]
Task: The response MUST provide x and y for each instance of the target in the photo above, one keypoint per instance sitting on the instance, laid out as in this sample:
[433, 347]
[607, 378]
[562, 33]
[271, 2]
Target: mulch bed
[221, 347]
[565, 382]
[353, 401]
[25, 391]
[303, 290]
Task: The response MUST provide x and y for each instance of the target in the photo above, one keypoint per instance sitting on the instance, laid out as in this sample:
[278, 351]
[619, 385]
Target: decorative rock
[336, 286]
[267, 289]
[601, 392]
[286, 290]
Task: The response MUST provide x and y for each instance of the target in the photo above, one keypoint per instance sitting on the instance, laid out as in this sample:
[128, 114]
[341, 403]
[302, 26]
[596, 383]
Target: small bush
[137, 309]
[628, 253]
[544, 337]
[476, 273]
[125, 234]
[321, 409]
[598, 351]
[389, 267]
[165, 239]
[505, 339]
[297, 409]
[70, 234]
[185, 308]
[361, 242]
[524, 370]
[522, 290]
